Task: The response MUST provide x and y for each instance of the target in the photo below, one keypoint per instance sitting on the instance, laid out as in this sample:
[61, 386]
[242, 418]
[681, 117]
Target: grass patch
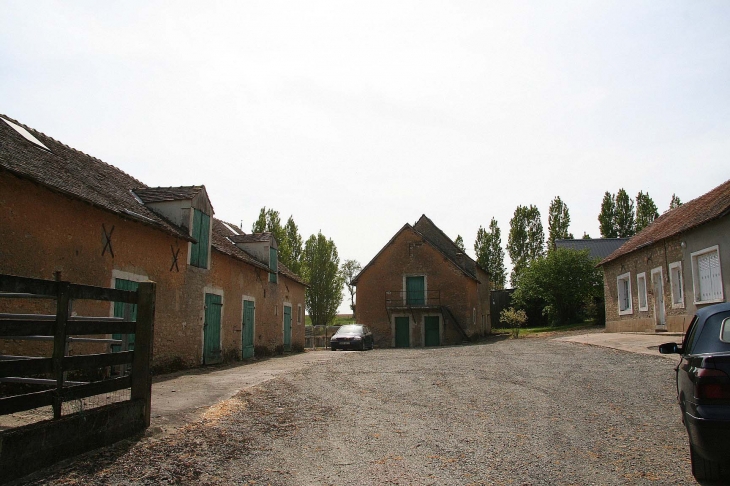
[538, 330]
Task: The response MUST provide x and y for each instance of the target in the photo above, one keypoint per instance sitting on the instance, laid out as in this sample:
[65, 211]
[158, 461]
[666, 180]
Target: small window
[641, 287]
[707, 276]
[201, 232]
[675, 280]
[624, 294]
[273, 264]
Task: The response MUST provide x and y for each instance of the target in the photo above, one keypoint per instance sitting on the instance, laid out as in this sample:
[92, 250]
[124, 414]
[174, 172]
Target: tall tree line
[619, 218]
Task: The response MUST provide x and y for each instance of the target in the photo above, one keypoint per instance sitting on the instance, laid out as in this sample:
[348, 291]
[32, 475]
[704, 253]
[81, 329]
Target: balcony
[403, 299]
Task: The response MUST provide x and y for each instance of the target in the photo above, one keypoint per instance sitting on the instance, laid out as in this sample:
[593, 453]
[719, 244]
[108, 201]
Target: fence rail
[405, 298]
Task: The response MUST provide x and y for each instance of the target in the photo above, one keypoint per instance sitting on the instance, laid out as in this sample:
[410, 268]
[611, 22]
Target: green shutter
[415, 287]
[273, 264]
[201, 230]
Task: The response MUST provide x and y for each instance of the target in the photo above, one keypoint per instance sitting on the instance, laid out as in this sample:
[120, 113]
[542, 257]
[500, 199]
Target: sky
[357, 117]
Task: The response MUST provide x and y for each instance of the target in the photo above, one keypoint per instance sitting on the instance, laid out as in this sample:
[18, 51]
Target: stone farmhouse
[422, 290]
[679, 263]
[221, 293]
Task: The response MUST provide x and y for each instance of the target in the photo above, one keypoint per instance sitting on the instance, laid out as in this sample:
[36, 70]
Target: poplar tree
[558, 222]
[294, 240]
[675, 202]
[624, 215]
[321, 269]
[288, 237]
[646, 211]
[459, 242]
[526, 239]
[349, 270]
[490, 256]
[606, 218]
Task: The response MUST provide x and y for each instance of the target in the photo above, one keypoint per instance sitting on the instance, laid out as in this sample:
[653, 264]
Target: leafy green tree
[459, 242]
[288, 237]
[294, 240]
[558, 222]
[607, 218]
[675, 202]
[646, 211]
[586, 236]
[624, 216]
[349, 270]
[563, 283]
[321, 268]
[526, 239]
[489, 253]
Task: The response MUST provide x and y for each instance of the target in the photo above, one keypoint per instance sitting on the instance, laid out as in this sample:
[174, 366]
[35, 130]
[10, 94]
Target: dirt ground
[528, 411]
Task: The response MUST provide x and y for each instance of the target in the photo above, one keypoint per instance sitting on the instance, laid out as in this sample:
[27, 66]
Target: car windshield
[350, 329]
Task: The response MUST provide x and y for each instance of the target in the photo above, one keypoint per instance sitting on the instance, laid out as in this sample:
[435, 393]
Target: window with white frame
[706, 275]
[641, 287]
[624, 294]
[675, 281]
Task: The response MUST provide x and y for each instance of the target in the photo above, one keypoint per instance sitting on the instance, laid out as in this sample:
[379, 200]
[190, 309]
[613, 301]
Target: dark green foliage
[646, 211]
[586, 236]
[294, 260]
[606, 218]
[459, 242]
[562, 284]
[321, 269]
[288, 237]
[624, 216]
[489, 253]
[558, 222]
[526, 239]
[349, 270]
[675, 202]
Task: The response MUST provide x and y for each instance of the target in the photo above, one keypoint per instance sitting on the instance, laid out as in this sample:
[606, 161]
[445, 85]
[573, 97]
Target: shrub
[514, 319]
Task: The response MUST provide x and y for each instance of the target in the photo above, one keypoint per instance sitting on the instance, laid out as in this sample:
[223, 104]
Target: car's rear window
[349, 328]
[709, 339]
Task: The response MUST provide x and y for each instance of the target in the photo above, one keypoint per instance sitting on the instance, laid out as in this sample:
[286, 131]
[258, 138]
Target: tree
[459, 242]
[294, 240]
[288, 237]
[526, 239]
[606, 218]
[586, 236]
[675, 202]
[624, 215]
[558, 222]
[489, 253]
[563, 283]
[321, 268]
[646, 211]
[349, 269]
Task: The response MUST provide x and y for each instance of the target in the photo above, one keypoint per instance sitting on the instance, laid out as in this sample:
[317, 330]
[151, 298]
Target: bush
[514, 319]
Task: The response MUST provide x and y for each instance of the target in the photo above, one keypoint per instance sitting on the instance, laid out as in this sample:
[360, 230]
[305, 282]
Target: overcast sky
[357, 117]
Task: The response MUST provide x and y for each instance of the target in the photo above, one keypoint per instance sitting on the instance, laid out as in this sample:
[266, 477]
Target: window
[201, 232]
[415, 290]
[641, 287]
[624, 294]
[706, 276]
[273, 264]
[675, 281]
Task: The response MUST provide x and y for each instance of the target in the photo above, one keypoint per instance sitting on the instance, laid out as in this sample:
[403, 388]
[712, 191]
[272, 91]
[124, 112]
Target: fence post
[144, 334]
[59, 344]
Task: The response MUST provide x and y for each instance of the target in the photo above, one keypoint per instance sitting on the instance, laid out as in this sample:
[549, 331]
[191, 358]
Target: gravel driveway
[528, 411]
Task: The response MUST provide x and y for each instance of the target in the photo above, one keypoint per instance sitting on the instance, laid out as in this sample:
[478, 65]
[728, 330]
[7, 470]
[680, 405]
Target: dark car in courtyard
[703, 390]
[352, 336]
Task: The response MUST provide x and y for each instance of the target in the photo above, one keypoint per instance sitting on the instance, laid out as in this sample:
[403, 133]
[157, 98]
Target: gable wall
[409, 254]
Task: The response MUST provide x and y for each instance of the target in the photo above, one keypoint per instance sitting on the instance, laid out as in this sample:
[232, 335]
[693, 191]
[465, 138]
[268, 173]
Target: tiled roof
[159, 194]
[74, 173]
[715, 204]
[251, 238]
[598, 248]
[222, 241]
[447, 246]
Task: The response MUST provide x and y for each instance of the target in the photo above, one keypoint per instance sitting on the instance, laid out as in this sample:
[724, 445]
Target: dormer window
[273, 264]
[201, 231]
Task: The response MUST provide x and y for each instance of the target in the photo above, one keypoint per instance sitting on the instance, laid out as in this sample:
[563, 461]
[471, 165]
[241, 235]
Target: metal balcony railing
[405, 298]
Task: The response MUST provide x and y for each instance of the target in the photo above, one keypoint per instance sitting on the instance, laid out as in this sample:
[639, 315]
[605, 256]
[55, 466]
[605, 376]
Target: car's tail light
[712, 384]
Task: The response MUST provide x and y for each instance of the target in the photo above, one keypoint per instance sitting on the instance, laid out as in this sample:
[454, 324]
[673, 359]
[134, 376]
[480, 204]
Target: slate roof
[76, 174]
[438, 239]
[222, 237]
[598, 248]
[160, 194]
[713, 205]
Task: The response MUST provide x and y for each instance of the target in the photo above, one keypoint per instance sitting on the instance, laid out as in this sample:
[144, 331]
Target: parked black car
[352, 336]
[703, 390]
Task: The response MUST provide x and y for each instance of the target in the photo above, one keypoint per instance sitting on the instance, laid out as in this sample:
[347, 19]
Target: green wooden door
[287, 328]
[248, 329]
[402, 332]
[431, 328]
[128, 311]
[212, 329]
[415, 291]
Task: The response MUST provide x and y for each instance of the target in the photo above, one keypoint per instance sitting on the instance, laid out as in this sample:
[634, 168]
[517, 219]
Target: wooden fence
[27, 448]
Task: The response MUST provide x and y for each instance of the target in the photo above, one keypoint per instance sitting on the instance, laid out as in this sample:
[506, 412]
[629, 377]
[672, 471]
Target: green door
[431, 325]
[402, 331]
[212, 329]
[414, 291]
[127, 311]
[248, 315]
[287, 328]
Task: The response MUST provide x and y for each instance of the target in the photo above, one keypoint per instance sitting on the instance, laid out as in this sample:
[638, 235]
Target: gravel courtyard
[525, 412]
